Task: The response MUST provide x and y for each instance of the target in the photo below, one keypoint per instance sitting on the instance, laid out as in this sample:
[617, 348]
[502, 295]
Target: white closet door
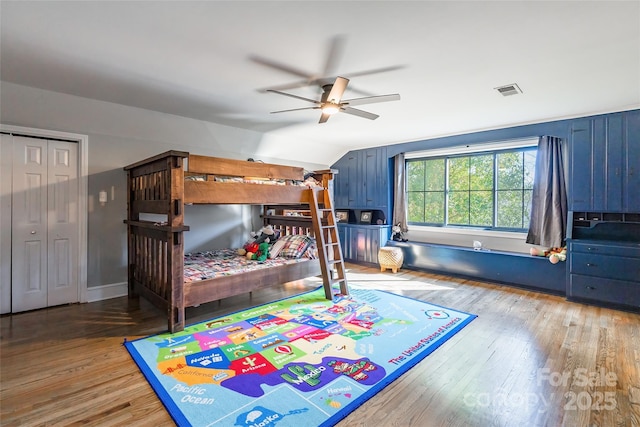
[44, 224]
[62, 195]
[29, 224]
[6, 177]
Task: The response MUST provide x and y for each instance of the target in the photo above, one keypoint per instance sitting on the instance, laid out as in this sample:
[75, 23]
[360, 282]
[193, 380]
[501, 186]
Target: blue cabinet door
[598, 163]
[375, 177]
[362, 178]
[631, 193]
[600, 168]
[360, 243]
[354, 183]
[612, 188]
[346, 181]
[369, 178]
[581, 163]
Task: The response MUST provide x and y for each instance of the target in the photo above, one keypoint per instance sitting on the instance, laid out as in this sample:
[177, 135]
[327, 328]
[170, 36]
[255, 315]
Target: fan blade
[294, 85]
[324, 117]
[337, 90]
[296, 109]
[294, 96]
[334, 56]
[374, 71]
[282, 67]
[359, 113]
[372, 99]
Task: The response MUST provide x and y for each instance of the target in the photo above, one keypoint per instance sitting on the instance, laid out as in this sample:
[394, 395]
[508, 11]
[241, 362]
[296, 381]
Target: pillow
[294, 246]
[275, 249]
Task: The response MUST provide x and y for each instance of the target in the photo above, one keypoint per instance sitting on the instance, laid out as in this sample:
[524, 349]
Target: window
[490, 190]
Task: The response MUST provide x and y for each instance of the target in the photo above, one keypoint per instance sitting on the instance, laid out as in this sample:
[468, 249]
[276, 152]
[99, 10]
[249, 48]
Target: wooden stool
[390, 257]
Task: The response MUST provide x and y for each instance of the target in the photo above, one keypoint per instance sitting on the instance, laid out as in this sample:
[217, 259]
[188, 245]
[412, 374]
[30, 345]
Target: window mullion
[446, 191]
[495, 190]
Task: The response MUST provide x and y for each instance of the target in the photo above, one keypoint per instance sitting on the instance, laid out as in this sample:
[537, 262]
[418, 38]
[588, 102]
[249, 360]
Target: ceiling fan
[331, 101]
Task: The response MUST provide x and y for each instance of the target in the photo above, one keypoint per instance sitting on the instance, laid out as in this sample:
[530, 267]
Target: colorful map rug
[301, 361]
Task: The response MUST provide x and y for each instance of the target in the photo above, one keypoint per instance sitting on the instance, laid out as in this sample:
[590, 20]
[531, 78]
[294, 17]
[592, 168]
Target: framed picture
[365, 217]
[342, 215]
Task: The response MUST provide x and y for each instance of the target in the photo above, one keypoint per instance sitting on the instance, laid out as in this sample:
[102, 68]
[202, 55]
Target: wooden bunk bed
[163, 184]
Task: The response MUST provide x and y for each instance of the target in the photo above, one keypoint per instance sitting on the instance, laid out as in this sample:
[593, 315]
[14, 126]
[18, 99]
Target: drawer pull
[590, 264]
[591, 288]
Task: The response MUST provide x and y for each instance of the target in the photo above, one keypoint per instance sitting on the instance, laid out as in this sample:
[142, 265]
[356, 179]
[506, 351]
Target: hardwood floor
[529, 359]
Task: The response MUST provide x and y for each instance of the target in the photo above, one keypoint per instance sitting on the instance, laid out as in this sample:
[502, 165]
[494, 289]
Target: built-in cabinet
[606, 272]
[604, 258]
[605, 163]
[362, 181]
[360, 243]
[362, 185]
[604, 222]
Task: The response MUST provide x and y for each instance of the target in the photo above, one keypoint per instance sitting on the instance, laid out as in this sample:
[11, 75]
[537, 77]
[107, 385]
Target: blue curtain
[548, 225]
[399, 194]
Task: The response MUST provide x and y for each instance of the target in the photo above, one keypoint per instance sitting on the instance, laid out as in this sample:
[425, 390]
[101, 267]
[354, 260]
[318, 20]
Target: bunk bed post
[156, 249]
[326, 179]
[175, 218]
[131, 216]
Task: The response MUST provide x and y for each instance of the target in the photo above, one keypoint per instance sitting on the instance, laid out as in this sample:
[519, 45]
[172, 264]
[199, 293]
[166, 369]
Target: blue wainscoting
[509, 268]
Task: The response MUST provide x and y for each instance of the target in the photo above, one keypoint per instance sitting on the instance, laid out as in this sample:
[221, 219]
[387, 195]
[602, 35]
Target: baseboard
[112, 290]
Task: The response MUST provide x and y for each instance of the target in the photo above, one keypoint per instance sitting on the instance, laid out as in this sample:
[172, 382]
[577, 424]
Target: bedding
[226, 262]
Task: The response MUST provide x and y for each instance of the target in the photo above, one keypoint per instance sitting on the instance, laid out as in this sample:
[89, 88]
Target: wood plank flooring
[529, 359]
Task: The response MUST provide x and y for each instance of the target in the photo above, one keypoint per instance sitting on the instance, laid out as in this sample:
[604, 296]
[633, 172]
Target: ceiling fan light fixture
[330, 109]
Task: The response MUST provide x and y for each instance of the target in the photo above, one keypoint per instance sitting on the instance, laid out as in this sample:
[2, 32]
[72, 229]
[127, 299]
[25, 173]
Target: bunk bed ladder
[329, 250]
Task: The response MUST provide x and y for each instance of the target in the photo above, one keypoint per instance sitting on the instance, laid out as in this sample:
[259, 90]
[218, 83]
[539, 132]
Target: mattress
[226, 262]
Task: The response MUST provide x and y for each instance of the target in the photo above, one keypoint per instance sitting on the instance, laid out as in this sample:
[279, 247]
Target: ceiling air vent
[507, 90]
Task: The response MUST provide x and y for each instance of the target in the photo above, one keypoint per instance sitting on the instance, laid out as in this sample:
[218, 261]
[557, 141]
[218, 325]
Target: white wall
[120, 135]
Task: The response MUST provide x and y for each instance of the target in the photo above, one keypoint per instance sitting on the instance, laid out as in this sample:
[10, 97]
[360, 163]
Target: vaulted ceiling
[211, 61]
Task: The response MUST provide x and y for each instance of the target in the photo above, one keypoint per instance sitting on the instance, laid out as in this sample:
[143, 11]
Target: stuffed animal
[557, 254]
[397, 234]
[539, 252]
[262, 253]
[267, 234]
[250, 247]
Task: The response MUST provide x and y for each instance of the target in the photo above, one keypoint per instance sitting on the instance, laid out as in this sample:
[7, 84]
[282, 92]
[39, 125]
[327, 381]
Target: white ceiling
[194, 59]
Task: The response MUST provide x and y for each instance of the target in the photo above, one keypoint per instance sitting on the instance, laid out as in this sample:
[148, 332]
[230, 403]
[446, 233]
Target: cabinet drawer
[605, 290]
[606, 249]
[612, 267]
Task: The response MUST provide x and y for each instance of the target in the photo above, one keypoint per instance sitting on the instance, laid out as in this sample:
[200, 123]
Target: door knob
[33, 231]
